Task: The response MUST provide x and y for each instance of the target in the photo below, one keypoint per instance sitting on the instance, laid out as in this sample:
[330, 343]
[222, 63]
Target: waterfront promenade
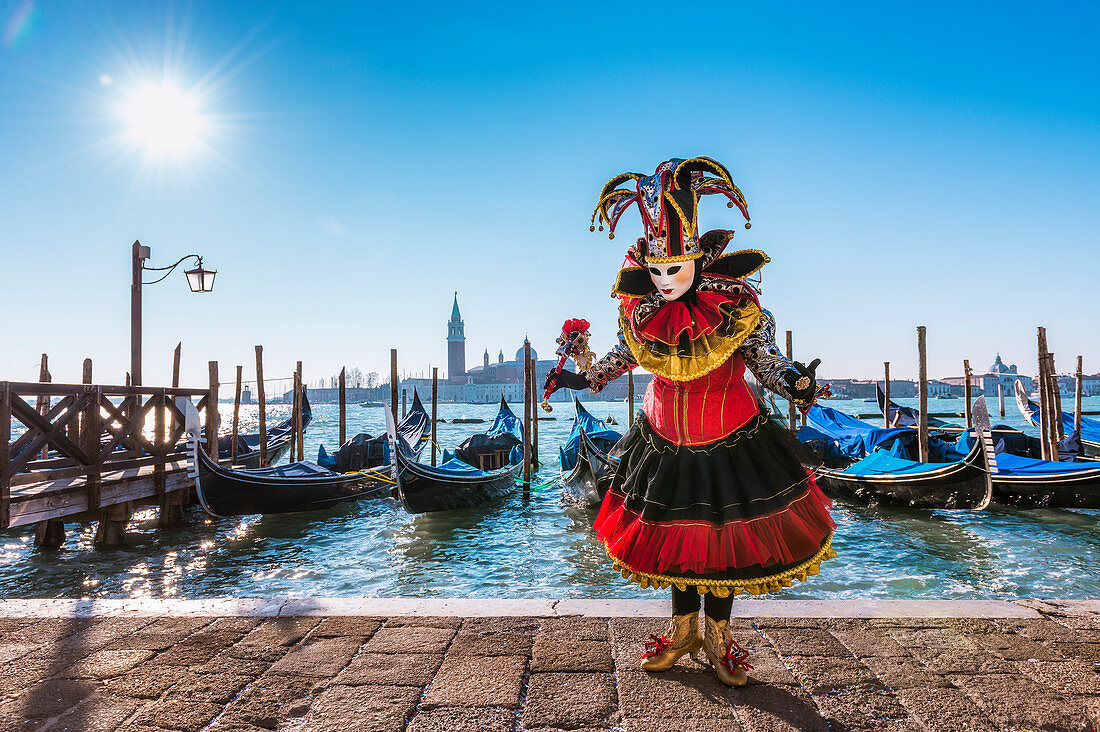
[455, 665]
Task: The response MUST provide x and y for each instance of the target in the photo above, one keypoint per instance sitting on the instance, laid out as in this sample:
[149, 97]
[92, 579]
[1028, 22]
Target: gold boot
[681, 636]
[725, 655]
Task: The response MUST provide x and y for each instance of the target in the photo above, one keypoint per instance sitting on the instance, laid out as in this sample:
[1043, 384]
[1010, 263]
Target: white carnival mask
[673, 279]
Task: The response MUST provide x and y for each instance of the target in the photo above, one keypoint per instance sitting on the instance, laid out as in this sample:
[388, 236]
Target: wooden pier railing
[91, 446]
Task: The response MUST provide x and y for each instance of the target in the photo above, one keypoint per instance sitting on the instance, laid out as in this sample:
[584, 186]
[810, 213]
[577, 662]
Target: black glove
[565, 380]
[801, 382]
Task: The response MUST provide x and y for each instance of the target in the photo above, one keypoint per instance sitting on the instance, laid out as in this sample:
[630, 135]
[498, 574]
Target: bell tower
[456, 346]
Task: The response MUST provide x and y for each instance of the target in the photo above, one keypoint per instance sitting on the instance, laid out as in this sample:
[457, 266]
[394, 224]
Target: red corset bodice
[701, 410]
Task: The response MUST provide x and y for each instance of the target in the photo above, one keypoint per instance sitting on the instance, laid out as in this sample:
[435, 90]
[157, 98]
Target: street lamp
[199, 279]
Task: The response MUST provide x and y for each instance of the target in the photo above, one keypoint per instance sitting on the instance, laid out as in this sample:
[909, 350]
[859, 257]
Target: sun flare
[164, 120]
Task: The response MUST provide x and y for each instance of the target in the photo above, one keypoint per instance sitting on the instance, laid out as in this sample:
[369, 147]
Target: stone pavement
[102, 667]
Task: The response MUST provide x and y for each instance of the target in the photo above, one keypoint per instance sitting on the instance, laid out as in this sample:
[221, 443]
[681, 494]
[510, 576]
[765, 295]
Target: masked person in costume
[710, 497]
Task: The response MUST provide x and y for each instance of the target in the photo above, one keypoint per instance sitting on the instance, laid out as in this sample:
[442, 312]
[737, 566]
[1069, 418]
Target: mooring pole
[299, 406]
[212, 413]
[790, 402]
[534, 419]
[393, 384]
[1044, 396]
[236, 417]
[922, 362]
[1001, 397]
[176, 365]
[1078, 392]
[1056, 389]
[261, 400]
[43, 405]
[404, 403]
[630, 397]
[527, 416]
[886, 395]
[966, 394]
[343, 405]
[435, 411]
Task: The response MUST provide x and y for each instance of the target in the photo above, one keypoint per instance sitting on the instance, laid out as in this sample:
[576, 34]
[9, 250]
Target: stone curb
[474, 607]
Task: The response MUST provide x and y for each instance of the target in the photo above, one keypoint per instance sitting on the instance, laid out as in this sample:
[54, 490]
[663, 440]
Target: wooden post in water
[527, 398]
[343, 405]
[299, 401]
[236, 417]
[886, 393]
[922, 370]
[1001, 398]
[1044, 396]
[261, 400]
[1056, 389]
[966, 394]
[212, 413]
[630, 397]
[43, 405]
[534, 418]
[85, 378]
[404, 403]
[435, 411]
[176, 365]
[790, 402]
[48, 534]
[1078, 392]
[393, 384]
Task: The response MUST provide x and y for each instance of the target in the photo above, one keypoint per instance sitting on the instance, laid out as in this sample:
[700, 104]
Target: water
[539, 547]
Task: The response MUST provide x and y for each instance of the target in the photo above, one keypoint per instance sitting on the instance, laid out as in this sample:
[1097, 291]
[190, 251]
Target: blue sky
[903, 165]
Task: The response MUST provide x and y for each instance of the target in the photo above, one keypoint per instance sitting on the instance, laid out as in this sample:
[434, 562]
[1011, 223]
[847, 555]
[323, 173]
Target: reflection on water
[535, 547]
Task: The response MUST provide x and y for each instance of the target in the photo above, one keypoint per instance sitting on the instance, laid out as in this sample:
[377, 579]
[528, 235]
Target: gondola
[881, 479]
[457, 483]
[299, 486]
[279, 438]
[586, 465]
[902, 416]
[1090, 428]
[366, 453]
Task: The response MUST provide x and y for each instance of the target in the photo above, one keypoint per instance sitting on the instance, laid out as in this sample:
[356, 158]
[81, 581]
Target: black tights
[687, 601]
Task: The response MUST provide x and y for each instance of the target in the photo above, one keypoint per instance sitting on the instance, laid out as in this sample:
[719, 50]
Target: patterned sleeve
[764, 358]
[617, 362]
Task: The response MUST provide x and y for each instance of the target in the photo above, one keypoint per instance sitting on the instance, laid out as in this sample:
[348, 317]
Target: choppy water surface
[539, 547]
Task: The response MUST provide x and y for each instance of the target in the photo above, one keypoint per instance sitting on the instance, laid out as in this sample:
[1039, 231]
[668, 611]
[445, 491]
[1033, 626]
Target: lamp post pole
[140, 254]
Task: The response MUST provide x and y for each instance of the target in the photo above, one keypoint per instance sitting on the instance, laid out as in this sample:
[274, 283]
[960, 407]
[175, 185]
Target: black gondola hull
[1080, 490]
[580, 482]
[423, 490]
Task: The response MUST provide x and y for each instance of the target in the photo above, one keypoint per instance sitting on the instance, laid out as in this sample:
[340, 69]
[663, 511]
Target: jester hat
[669, 204]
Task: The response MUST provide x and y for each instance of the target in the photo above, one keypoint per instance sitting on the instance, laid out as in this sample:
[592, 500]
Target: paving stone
[944, 710]
[356, 708]
[323, 658]
[674, 693]
[904, 673]
[767, 667]
[410, 639]
[550, 654]
[15, 677]
[272, 699]
[197, 648]
[821, 673]
[97, 713]
[223, 663]
[241, 625]
[181, 714]
[869, 641]
[865, 707]
[427, 621]
[147, 681]
[463, 719]
[1067, 677]
[806, 642]
[1084, 651]
[775, 709]
[569, 700]
[48, 630]
[963, 661]
[591, 629]
[932, 638]
[52, 697]
[910, 622]
[11, 651]
[105, 664]
[232, 725]
[491, 643]
[1015, 701]
[1041, 629]
[213, 688]
[391, 669]
[347, 626]
[657, 724]
[477, 681]
[1014, 647]
[269, 640]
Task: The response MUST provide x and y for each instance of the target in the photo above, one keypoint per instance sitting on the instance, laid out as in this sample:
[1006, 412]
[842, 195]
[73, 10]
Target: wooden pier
[87, 455]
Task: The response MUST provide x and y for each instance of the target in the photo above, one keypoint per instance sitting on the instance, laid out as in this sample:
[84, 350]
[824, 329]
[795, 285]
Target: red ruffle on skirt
[790, 535]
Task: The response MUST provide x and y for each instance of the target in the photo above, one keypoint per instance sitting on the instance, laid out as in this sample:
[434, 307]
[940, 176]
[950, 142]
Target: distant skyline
[346, 168]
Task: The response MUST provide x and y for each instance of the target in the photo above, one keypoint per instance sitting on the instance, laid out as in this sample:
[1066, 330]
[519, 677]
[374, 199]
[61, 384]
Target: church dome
[519, 353]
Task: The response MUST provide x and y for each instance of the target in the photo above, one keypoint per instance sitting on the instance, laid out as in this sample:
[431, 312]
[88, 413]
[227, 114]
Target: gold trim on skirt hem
[723, 588]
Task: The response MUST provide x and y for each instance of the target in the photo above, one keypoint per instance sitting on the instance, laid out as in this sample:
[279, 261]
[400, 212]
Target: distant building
[456, 346]
[1004, 376]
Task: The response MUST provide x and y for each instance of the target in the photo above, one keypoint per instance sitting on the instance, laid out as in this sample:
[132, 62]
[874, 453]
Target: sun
[163, 120]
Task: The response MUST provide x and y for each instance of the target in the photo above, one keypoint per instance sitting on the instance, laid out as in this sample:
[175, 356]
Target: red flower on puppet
[575, 324]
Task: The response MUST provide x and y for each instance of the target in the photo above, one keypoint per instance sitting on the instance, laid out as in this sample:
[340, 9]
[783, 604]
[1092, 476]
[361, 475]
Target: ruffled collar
[698, 314]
